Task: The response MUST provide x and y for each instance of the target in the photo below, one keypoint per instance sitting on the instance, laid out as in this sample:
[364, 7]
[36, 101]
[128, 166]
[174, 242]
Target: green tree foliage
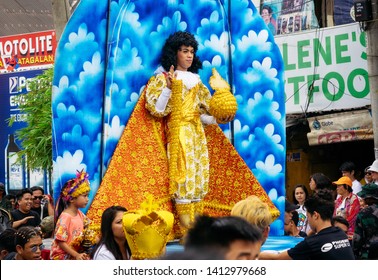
[36, 136]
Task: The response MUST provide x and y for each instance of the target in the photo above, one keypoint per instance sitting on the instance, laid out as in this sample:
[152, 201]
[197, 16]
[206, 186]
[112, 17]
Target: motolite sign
[30, 50]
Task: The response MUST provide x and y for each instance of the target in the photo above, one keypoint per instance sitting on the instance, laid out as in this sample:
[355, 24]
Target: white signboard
[325, 69]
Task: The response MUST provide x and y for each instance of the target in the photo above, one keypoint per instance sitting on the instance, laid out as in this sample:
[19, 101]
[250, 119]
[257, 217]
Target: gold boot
[198, 208]
[185, 212]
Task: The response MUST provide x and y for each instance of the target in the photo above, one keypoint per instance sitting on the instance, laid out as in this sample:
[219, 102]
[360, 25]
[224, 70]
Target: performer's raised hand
[170, 76]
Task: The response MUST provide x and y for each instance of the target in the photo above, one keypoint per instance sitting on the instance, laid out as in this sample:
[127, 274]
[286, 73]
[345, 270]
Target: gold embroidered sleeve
[204, 98]
[155, 87]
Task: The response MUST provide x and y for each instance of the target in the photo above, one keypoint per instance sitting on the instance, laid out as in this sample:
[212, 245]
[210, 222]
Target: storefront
[343, 136]
[327, 102]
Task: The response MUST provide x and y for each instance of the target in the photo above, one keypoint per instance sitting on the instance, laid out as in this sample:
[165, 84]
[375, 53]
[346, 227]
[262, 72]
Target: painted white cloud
[219, 44]
[276, 138]
[129, 16]
[91, 68]
[80, 37]
[167, 22]
[134, 97]
[68, 163]
[63, 111]
[259, 98]
[269, 167]
[259, 41]
[114, 130]
[64, 84]
[262, 69]
[215, 62]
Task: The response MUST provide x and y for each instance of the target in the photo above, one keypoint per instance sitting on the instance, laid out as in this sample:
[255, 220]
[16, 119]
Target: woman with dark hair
[320, 181]
[266, 14]
[177, 94]
[113, 244]
[300, 194]
[170, 53]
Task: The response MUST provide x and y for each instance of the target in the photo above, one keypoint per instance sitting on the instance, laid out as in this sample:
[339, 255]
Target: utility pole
[372, 62]
[62, 10]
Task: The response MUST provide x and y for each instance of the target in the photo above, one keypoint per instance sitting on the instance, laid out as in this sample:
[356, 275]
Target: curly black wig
[173, 44]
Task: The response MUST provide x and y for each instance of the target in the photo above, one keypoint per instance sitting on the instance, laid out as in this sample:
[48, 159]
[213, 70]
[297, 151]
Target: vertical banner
[14, 175]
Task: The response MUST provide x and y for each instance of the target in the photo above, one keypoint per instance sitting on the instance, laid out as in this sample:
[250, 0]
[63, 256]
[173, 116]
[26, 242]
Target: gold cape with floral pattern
[139, 165]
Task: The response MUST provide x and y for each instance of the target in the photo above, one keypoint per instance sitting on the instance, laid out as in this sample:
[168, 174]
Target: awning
[340, 127]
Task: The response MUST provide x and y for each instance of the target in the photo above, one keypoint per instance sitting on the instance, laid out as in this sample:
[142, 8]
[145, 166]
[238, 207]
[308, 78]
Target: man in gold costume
[173, 148]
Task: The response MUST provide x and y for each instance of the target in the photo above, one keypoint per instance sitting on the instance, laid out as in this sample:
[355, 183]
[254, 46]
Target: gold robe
[139, 165]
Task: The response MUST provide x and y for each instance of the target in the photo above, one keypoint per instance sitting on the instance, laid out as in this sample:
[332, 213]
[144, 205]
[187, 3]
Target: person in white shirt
[348, 169]
[300, 194]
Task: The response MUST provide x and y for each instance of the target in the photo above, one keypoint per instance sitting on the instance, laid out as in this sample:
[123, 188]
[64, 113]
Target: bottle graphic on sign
[14, 170]
[35, 177]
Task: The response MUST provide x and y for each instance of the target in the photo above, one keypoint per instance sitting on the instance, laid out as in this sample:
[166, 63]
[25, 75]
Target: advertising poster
[288, 16]
[27, 51]
[15, 175]
[22, 58]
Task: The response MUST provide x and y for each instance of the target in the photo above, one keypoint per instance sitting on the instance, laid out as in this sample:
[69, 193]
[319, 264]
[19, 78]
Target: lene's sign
[27, 51]
[325, 69]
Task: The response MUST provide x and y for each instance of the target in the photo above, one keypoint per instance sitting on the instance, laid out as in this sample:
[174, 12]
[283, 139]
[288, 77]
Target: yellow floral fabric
[193, 163]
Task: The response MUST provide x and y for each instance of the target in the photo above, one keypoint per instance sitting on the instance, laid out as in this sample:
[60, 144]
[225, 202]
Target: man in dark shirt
[328, 242]
[24, 216]
[42, 203]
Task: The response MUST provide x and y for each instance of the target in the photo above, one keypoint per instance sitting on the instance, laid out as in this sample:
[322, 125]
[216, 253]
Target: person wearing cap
[367, 176]
[47, 228]
[347, 203]
[365, 238]
[374, 171]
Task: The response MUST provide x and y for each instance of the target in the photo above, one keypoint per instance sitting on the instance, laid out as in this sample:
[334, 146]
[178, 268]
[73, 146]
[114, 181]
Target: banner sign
[289, 16]
[31, 50]
[325, 69]
[340, 127]
[15, 175]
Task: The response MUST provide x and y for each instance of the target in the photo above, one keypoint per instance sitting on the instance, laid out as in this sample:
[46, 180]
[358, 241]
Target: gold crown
[147, 229]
